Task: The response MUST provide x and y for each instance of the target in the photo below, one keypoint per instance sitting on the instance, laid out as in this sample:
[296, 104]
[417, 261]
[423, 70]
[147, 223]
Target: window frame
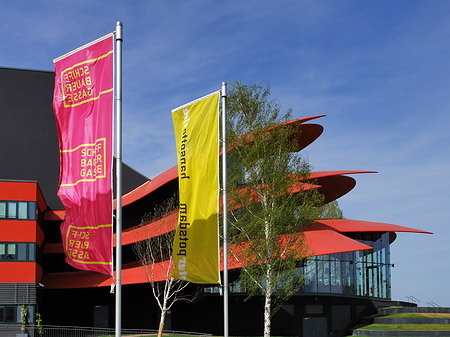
[21, 210]
[12, 251]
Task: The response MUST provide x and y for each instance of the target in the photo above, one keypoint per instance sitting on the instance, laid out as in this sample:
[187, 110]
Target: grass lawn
[417, 315]
[400, 327]
[409, 327]
[150, 335]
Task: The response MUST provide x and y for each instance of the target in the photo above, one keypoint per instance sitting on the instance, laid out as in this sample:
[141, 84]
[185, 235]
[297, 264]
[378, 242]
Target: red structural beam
[323, 238]
[349, 225]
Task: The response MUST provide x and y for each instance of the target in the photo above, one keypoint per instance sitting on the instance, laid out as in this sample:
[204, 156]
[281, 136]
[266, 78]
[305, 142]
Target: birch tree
[155, 256]
[270, 197]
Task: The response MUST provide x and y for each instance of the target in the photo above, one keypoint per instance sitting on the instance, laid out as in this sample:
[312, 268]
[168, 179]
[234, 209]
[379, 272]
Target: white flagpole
[119, 40]
[225, 215]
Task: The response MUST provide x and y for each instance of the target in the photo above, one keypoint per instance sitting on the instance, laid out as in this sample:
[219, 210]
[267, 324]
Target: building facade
[347, 278]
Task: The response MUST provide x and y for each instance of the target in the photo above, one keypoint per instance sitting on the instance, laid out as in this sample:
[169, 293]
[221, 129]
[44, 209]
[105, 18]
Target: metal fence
[8, 330]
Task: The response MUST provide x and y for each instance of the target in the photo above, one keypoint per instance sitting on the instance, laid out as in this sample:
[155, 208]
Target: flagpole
[225, 215]
[119, 40]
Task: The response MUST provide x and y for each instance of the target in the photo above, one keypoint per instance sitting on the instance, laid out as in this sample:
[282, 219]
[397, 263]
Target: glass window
[22, 210]
[17, 251]
[22, 252]
[323, 275]
[11, 251]
[311, 276]
[2, 209]
[335, 275]
[30, 313]
[2, 251]
[18, 312]
[9, 314]
[2, 313]
[32, 210]
[12, 210]
[31, 252]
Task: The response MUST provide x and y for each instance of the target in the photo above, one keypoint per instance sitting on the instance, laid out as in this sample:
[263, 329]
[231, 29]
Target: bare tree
[154, 252]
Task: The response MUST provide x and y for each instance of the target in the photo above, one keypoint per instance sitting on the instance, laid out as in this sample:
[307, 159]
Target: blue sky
[378, 69]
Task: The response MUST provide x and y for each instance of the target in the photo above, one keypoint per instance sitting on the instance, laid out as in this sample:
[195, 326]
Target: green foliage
[268, 198]
[23, 315]
[40, 329]
[331, 211]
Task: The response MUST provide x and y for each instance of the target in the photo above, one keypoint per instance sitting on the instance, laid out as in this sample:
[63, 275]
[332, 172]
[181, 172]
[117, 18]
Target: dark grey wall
[29, 147]
[28, 136]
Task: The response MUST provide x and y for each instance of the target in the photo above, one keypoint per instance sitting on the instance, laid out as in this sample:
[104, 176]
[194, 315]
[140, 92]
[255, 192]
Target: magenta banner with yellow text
[83, 106]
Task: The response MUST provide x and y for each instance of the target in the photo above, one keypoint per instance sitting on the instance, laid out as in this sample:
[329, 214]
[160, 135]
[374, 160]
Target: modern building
[348, 278]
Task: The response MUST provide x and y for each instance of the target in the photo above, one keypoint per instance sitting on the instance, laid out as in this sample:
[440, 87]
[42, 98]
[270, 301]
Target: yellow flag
[196, 243]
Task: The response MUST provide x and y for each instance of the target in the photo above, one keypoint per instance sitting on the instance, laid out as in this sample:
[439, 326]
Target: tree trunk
[160, 330]
[268, 290]
[267, 305]
[161, 322]
[268, 299]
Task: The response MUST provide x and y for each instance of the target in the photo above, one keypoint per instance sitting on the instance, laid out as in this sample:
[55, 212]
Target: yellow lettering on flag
[196, 243]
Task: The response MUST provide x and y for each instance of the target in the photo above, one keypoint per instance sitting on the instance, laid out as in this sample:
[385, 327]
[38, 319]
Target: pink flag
[83, 105]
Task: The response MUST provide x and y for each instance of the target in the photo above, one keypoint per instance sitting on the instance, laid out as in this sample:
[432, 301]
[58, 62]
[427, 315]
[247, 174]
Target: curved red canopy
[323, 237]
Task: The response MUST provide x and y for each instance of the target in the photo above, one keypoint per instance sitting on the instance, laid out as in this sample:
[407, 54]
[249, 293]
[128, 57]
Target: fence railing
[433, 304]
[10, 330]
[413, 299]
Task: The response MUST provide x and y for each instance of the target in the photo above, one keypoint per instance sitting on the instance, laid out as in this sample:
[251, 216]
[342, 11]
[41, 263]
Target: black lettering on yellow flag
[196, 243]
